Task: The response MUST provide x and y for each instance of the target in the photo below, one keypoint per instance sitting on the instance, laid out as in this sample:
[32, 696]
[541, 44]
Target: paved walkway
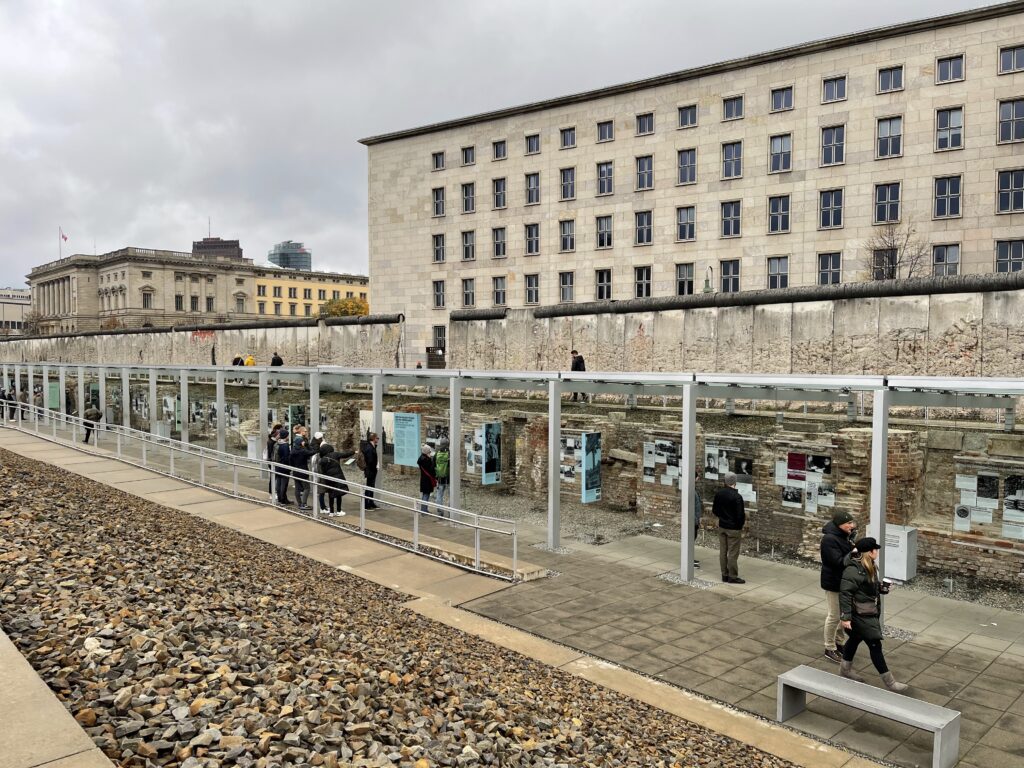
[730, 642]
[435, 590]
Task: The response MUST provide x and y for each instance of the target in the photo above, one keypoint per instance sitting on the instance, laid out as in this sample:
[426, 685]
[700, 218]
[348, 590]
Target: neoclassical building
[814, 164]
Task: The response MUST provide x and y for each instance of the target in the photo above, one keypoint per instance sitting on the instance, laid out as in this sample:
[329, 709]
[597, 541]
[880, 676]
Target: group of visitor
[296, 458]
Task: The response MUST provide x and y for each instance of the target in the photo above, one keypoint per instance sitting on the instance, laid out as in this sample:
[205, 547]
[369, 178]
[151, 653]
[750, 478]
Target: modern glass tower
[291, 255]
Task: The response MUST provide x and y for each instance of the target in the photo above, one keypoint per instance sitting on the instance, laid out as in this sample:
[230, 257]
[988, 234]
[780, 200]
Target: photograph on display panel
[492, 453]
[591, 485]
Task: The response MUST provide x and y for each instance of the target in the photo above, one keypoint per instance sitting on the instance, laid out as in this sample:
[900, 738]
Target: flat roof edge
[779, 54]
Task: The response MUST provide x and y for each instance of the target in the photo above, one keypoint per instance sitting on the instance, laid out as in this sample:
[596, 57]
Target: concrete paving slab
[153, 485]
[92, 758]
[255, 518]
[220, 506]
[351, 552]
[34, 726]
[297, 533]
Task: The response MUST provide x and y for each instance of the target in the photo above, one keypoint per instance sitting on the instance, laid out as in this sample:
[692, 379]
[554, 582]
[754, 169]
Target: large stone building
[137, 287]
[299, 292]
[880, 154]
[15, 303]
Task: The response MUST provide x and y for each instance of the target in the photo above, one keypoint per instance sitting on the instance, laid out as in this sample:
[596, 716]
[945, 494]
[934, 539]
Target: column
[153, 408]
[46, 394]
[879, 471]
[6, 384]
[126, 398]
[378, 423]
[262, 430]
[62, 385]
[220, 411]
[81, 391]
[17, 383]
[102, 405]
[183, 380]
[455, 442]
[314, 402]
[31, 390]
[687, 470]
[554, 450]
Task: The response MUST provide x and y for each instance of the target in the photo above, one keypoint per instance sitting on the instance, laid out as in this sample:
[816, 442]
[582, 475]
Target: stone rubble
[175, 642]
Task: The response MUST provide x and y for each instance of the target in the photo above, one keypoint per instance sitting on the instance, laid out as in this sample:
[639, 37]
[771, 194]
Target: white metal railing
[49, 423]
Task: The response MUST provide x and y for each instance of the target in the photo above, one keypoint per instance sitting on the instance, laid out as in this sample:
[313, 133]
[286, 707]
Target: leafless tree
[894, 252]
[32, 323]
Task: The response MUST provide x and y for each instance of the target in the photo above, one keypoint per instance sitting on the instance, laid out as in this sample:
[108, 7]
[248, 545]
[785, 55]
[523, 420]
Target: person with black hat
[860, 603]
[836, 544]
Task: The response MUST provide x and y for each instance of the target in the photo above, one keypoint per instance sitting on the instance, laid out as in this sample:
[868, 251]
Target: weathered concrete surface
[355, 346]
[954, 334]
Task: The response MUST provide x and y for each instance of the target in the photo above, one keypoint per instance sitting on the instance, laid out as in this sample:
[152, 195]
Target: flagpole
[60, 245]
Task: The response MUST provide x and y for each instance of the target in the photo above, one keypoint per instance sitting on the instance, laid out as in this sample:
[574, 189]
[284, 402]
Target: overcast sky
[129, 123]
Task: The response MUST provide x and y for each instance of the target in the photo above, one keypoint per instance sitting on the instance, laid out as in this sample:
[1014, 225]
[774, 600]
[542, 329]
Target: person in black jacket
[282, 466]
[271, 445]
[334, 483]
[299, 459]
[428, 475]
[836, 544]
[732, 516]
[276, 360]
[578, 364]
[369, 450]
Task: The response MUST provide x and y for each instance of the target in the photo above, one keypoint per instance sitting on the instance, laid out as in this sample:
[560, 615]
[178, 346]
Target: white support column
[7, 381]
[455, 442]
[30, 395]
[687, 471]
[314, 402]
[183, 391]
[126, 399]
[17, 383]
[554, 450]
[46, 394]
[378, 423]
[153, 407]
[879, 470]
[80, 385]
[103, 393]
[221, 418]
[62, 389]
[262, 407]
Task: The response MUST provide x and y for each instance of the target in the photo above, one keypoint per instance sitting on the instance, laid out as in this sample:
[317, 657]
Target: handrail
[476, 522]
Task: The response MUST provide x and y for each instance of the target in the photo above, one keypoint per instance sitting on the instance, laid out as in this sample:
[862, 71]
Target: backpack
[441, 464]
[361, 459]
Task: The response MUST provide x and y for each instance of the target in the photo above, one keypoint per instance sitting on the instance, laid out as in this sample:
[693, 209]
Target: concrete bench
[944, 723]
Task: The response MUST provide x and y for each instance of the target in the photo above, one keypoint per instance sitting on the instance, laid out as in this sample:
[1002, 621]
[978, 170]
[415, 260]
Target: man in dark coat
[300, 454]
[732, 516]
[369, 451]
[428, 475]
[836, 544]
[276, 360]
[283, 465]
[92, 416]
[578, 364]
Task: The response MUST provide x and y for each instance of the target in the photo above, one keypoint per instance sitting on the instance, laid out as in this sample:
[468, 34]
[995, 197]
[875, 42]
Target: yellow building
[297, 293]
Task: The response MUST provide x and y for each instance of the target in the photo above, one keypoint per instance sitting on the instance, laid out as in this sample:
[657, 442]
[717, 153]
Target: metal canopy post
[455, 442]
[17, 382]
[262, 412]
[314, 402]
[183, 381]
[152, 402]
[103, 394]
[687, 472]
[62, 385]
[46, 394]
[30, 395]
[378, 420]
[554, 449]
[6, 380]
[879, 471]
[126, 397]
[221, 418]
[80, 386]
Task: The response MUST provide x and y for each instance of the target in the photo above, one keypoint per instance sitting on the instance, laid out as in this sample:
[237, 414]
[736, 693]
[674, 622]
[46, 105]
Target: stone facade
[402, 175]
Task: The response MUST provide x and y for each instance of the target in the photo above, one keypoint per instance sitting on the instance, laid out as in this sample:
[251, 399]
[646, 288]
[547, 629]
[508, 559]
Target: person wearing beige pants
[836, 544]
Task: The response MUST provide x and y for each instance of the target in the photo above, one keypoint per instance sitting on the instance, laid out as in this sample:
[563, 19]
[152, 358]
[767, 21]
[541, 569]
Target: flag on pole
[62, 235]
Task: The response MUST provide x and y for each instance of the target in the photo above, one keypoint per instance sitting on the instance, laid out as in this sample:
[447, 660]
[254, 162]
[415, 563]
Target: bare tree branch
[895, 252]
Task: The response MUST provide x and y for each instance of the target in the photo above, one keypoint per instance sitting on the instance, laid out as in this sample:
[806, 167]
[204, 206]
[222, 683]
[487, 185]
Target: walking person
[368, 452]
[732, 516]
[237, 360]
[92, 415]
[698, 510]
[836, 544]
[282, 466]
[860, 602]
[578, 364]
[250, 361]
[428, 482]
[276, 361]
[442, 472]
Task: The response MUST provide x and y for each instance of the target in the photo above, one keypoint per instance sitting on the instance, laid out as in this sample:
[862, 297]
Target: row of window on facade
[180, 277]
[946, 203]
[307, 293]
[884, 265]
[194, 304]
[293, 308]
[948, 69]
[949, 135]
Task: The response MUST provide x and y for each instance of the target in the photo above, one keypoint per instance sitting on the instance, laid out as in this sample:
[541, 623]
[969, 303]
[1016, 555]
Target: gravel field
[176, 642]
